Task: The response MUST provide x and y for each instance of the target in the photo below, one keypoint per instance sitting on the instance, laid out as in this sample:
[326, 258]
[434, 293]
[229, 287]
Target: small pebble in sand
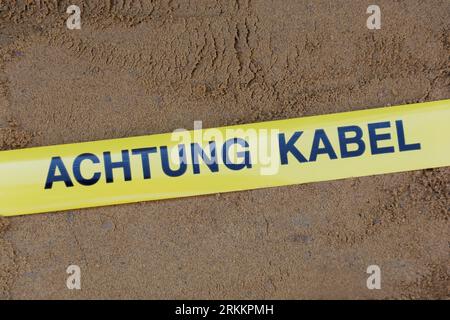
[107, 225]
[18, 53]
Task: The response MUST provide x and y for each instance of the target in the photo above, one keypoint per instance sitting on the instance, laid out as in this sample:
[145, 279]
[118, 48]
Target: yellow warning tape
[205, 161]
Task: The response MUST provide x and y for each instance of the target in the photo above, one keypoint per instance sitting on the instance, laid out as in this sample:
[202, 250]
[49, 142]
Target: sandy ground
[143, 67]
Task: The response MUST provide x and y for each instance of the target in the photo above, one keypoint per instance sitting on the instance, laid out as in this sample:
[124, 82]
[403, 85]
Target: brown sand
[143, 67]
